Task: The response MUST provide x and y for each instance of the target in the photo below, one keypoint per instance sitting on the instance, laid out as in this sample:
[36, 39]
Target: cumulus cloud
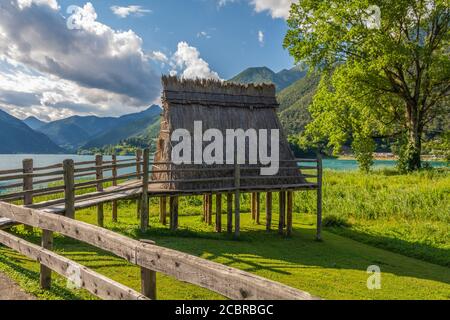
[261, 37]
[124, 12]
[89, 65]
[187, 59]
[276, 8]
[158, 56]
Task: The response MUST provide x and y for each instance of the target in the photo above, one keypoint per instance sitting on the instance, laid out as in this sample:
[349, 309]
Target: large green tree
[386, 68]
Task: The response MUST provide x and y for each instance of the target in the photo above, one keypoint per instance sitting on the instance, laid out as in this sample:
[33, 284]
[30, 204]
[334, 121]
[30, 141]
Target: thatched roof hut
[221, 106]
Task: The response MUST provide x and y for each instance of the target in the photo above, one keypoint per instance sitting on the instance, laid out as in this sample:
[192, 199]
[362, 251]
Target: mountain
[134, 125]
[294, 102]
[34, 123]
[282, 79]
[92, 131]
[17, 137]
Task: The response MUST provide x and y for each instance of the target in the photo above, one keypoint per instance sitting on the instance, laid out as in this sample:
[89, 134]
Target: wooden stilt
[163, 210]
[258, 207]
[268, 211]
[210, 207]
[289, 213]
[253, 205]
[237, 205]
[229, 212]
[218, 212]
[173, 213]
[282, 208]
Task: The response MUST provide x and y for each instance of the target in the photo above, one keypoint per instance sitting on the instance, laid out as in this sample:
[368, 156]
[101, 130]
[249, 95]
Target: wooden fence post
[148, 279]
[99, 176]
[69, 189]
[258, 207]
[163, 210]
[219, 212]
[289, 213]
[27, 165]
[268, 211]
[173, 213]
[282, 209]
[144, 198]
[45, 274]
[319, 197]
[229, 212]
[138, 177]
[114, 183]
[237, 185]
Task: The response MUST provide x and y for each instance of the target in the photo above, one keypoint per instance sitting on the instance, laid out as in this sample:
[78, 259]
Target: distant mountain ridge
[91, 131]
[17, 137]
[282, 79]
[34, 123]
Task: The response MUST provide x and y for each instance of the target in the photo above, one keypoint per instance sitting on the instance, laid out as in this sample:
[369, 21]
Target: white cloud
[261, 37]
[124, 12]
[222, 3]
[187, 59]
[276, 8]
[158, 56]
[92, 66]
[203, 34]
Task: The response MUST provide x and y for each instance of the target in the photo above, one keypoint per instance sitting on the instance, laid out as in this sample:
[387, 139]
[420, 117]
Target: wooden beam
[148, 283]
[99, 176]
[319, 197]
[218, 212]
[93, 282]
[229, 212]
[230, 282]
[282, 209]
[69, 189]
[258, 208]
[289, 213]
[27, 165]
[268, 211]
[145, 214]
[237, 198]
[114, 183]
[45, 275]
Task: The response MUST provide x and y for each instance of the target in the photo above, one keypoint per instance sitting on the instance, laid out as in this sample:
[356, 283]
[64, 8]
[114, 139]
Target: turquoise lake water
[15, 161]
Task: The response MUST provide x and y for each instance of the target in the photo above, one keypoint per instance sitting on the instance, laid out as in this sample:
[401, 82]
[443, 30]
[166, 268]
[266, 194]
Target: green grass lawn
[389, 214]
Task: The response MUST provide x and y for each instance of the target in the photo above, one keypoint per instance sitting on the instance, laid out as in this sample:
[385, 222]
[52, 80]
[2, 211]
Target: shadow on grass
[34, 276]
[416, 250]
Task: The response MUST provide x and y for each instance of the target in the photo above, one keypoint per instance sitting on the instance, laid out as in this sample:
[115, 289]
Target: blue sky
[110, 62]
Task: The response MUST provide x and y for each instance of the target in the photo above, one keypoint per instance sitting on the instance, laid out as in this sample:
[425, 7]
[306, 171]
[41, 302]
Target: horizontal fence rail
[227, 281]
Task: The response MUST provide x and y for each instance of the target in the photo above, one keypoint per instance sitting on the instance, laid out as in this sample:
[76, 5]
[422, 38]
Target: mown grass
[384, 210]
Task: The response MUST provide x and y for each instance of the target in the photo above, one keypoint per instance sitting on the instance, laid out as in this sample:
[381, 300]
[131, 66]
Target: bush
[335, 221]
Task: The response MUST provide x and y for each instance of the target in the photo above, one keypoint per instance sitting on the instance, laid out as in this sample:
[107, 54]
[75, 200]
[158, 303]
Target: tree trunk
[414, 144]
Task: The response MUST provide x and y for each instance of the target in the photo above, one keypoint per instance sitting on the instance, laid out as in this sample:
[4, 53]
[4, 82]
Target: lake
[14, 161]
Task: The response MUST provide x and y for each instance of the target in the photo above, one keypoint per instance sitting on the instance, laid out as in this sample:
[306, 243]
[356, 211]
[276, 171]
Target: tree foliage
[386, 66]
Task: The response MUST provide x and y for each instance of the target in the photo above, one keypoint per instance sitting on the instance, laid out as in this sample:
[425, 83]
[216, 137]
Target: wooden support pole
[268, 211]
[69, 189]
[258, 207]
[99, 176]
[253, 205]
[138, 172]
[145, 213]
[45, 275]
[114, 183]
[319, 197]
[205, 210]
[237, 205]
[148, 283]
[219, 212]
[210, 202]
[229, 213]
[282, 209]
[289, 213]
[27, 165]
[163, 210]
[173, 213]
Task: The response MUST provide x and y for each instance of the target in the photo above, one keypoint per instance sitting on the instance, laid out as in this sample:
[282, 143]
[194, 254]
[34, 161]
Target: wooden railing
[229, 282]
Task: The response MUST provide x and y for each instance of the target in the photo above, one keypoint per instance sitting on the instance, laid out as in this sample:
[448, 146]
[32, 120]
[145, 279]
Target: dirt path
[9, 290]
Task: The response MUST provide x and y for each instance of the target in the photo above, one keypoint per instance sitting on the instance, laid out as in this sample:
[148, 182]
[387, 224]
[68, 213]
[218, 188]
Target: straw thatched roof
[222, 106]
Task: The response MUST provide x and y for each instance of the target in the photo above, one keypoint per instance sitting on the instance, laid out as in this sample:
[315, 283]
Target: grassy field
[386, 213]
